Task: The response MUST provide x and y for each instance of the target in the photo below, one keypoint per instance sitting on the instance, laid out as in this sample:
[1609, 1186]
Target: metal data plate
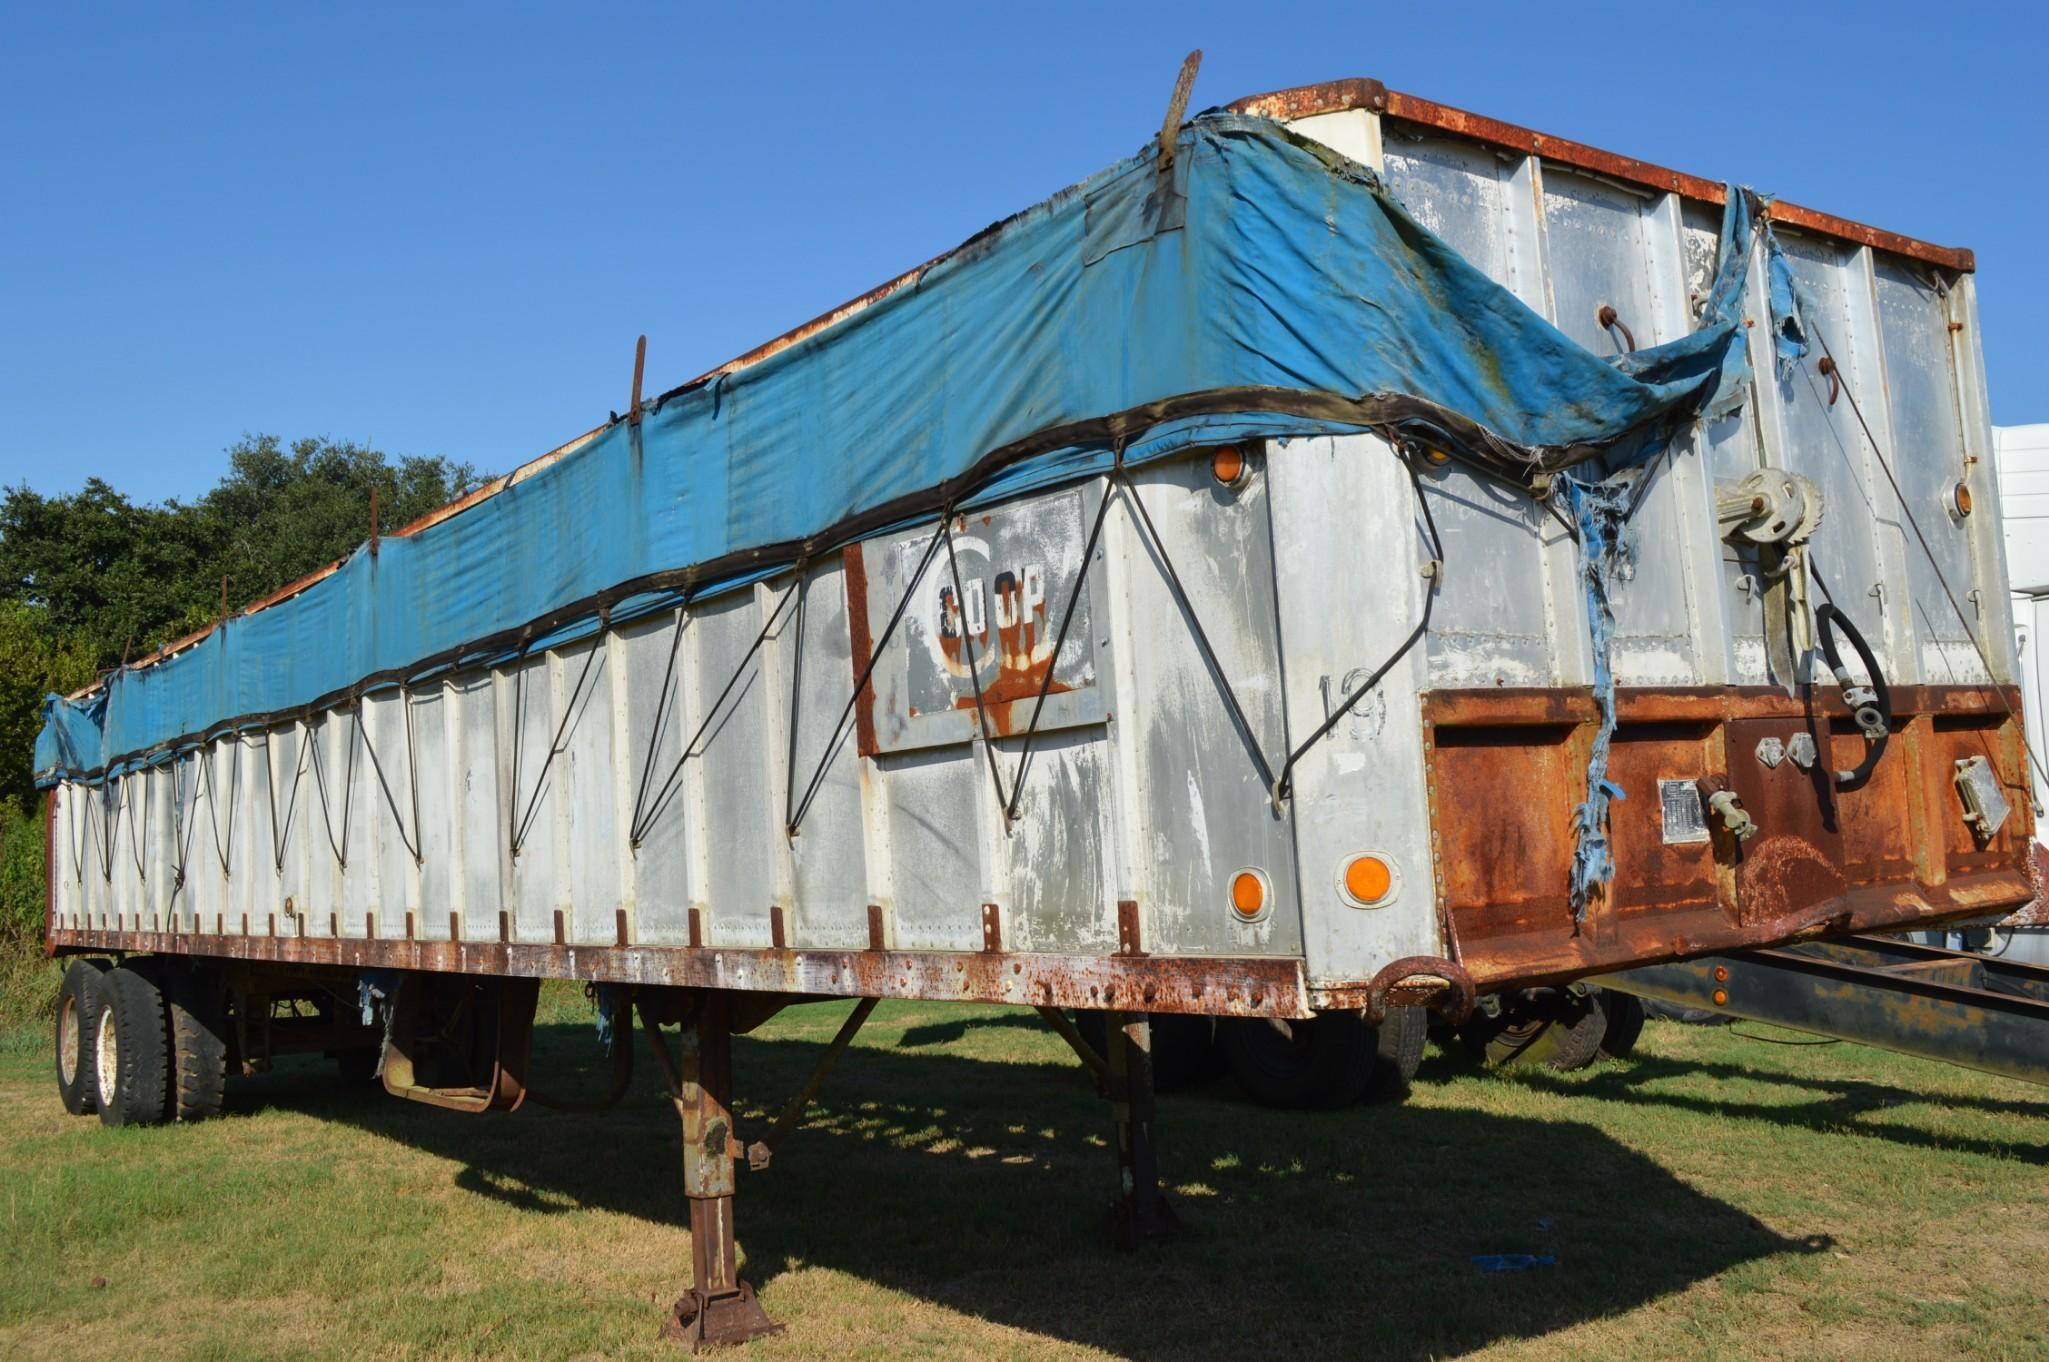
[1684, 818]
[1018, 563]
[1985, 804]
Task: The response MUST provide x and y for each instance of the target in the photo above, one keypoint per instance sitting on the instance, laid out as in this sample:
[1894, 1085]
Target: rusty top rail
[1301, 101]
[1304, 101]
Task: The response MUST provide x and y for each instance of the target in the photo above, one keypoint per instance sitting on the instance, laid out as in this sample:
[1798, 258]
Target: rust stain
[1338, 95]
[1507, 767]
[862, 644]
[1023, 652]
[2036, 912]
[1781, 874]
[1233, 986]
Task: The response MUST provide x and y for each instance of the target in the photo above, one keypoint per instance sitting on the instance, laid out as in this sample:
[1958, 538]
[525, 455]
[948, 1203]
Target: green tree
[125, 578]
[89, 579]
[34, 661]
[99, 567]
[282, 513]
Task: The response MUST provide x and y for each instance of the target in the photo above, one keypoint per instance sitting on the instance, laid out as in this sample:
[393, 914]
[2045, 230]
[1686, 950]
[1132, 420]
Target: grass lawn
[1718, 1196]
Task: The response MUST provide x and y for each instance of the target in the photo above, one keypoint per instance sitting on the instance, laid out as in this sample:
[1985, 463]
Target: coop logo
[999, 613]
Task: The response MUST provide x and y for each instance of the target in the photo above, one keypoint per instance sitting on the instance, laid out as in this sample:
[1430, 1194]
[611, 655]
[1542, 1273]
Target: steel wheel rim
[67, 1041]
[108, 1056]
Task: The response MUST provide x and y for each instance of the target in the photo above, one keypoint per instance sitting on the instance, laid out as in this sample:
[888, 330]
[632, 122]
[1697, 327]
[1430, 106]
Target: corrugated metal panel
[653, 770]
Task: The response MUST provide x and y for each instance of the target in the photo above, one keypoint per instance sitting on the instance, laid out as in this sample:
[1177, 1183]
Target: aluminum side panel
[1349, 549]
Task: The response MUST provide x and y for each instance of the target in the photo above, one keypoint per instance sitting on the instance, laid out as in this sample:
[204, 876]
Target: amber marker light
[1227, 465]
[1368, 880]
[1248, 894]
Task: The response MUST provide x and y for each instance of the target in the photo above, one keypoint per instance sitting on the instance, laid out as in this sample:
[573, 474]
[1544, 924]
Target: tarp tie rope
[643, 823]
[105, 827]
[80, 832]
[661, 723]
[182, 823]
[1209, 653]
[1949, 592]
[960, 604]
[1434, 575]
[555, 744]
[222, 847]
[281, 833]
[796, 696]
[1088, 558]
[341, 847]
[134, 841]
[839, 729]
[390, 800]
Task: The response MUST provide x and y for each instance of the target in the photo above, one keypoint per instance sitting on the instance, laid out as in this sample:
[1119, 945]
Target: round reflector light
[1248, 894]
[1368, 879]
[1227, 465]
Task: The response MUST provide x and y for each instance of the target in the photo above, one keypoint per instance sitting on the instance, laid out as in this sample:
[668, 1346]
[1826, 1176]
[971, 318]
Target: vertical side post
[719, 1308]
[1142, 1212]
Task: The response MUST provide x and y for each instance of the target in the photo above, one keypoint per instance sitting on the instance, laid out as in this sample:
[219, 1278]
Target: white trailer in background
[2020, 456]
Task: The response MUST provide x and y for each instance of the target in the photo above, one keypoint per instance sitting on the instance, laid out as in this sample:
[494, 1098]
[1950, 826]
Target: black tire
[1625, 1023]
[130, 1049]
[1184, 1046]
[197, 1035]
[1324, 1062]
[1398, 1053]
[76, 1035]
[1559, 1030]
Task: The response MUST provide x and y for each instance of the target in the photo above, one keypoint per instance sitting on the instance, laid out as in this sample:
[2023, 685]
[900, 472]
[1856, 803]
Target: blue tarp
[1261, 285]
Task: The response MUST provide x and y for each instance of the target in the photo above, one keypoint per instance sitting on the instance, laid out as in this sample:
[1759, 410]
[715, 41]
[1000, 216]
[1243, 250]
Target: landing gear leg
[1142, 1212]
[719, 1308]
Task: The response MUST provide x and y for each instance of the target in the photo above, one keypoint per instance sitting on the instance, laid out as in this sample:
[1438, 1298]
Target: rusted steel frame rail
[1509, 706]
[1335, 96]
[1239, 986]
[1960, 1009]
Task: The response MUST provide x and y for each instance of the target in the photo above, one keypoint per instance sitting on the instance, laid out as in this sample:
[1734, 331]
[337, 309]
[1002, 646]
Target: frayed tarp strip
[1599, 511]
[1287, 280]
[1599, 514]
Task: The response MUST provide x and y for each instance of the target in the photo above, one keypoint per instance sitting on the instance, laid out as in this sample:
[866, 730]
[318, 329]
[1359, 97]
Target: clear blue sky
[439, 227]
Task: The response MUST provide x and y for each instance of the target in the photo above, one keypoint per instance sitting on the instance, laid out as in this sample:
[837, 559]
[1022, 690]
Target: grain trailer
[1352, 556]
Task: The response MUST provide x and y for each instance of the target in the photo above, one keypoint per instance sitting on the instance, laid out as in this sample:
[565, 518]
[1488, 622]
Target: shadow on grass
[984, 1186]
[1836, 1108]
[947, 1032]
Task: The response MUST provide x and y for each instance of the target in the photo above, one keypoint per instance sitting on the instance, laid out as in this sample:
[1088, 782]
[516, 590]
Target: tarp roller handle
[1870, 706]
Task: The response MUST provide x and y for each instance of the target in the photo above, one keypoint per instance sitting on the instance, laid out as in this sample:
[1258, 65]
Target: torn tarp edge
[1600, 514]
